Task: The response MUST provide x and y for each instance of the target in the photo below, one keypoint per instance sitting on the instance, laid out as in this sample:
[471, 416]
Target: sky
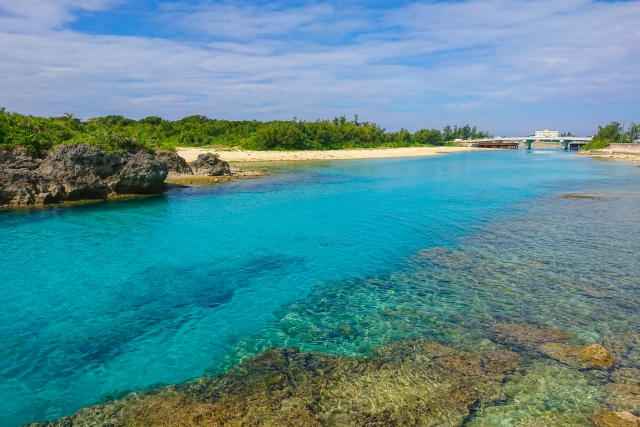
[506, 66]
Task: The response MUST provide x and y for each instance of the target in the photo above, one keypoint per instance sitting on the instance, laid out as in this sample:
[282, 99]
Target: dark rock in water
[526, 335]
[416, 383]
[578, 196]
[176, 164]
[76, 172]
[615, 419]
[592, 356]
[210, 165]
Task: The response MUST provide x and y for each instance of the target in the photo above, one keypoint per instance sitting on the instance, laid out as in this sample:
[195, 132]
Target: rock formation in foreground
[76, 172]
[82, 172]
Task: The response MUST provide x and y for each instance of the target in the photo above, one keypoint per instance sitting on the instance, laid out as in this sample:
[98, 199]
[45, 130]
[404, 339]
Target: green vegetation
[117, 133]
[613, 133]
[464, 132]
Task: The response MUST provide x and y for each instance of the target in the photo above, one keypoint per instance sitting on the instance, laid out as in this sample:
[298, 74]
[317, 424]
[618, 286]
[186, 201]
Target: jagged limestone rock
[210, 165]
[76, 172]
[177, 165]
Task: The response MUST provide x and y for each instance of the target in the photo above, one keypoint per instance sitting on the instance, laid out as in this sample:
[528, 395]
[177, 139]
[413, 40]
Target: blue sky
[509, 67]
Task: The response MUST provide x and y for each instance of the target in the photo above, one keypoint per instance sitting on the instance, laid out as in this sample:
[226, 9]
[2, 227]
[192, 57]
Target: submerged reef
[504, 332]
[412, 382]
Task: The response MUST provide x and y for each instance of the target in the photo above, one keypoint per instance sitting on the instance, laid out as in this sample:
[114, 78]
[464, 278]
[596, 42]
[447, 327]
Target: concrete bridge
[567, 142]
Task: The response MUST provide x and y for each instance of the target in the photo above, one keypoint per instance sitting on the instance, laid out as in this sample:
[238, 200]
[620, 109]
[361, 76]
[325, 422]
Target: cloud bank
[506, 66]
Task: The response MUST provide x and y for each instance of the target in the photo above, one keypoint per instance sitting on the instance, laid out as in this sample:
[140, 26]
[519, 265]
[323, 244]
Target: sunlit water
[100, 300]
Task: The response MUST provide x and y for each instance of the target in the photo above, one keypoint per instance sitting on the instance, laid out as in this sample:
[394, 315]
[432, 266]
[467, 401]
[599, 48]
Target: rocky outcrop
[76, 172]
[592, 356]
[210, 165]
[206, 169]
[176, 164]
[615, 419]
[205, 165]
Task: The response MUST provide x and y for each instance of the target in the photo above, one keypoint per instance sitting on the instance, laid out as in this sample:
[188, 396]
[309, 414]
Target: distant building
[546, 133]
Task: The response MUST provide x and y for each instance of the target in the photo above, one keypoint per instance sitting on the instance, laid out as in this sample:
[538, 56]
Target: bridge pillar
[528, 143]
[565, 144]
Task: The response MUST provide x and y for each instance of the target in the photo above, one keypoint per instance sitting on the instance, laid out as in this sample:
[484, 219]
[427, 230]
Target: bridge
[567, 142]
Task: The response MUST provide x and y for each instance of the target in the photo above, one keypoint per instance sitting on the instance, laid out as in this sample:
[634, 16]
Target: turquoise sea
[100, 300]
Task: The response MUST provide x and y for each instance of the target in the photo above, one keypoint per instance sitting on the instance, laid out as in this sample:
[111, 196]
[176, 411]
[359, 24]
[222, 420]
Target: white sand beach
[190, 154]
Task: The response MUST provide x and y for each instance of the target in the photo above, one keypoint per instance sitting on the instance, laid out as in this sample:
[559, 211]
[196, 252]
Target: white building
[547, 133]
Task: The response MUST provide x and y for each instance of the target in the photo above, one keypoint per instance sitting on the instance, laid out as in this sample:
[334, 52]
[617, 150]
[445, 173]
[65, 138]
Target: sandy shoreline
[190, 154]
[611, 156]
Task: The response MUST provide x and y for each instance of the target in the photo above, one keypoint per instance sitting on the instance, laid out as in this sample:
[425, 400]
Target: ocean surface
[100, 300]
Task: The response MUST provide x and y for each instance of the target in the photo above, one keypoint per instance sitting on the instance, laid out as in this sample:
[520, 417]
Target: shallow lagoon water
[100, 300]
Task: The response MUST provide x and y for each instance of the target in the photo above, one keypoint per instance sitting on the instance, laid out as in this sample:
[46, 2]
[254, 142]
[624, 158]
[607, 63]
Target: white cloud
[40, 15]
[245, 22]
[503, 65]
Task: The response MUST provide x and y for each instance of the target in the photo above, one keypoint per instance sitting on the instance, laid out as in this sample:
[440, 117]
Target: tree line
[613, 133]
[117, 133]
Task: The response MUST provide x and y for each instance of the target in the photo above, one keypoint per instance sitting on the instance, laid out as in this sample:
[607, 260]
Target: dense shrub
[605, 136]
